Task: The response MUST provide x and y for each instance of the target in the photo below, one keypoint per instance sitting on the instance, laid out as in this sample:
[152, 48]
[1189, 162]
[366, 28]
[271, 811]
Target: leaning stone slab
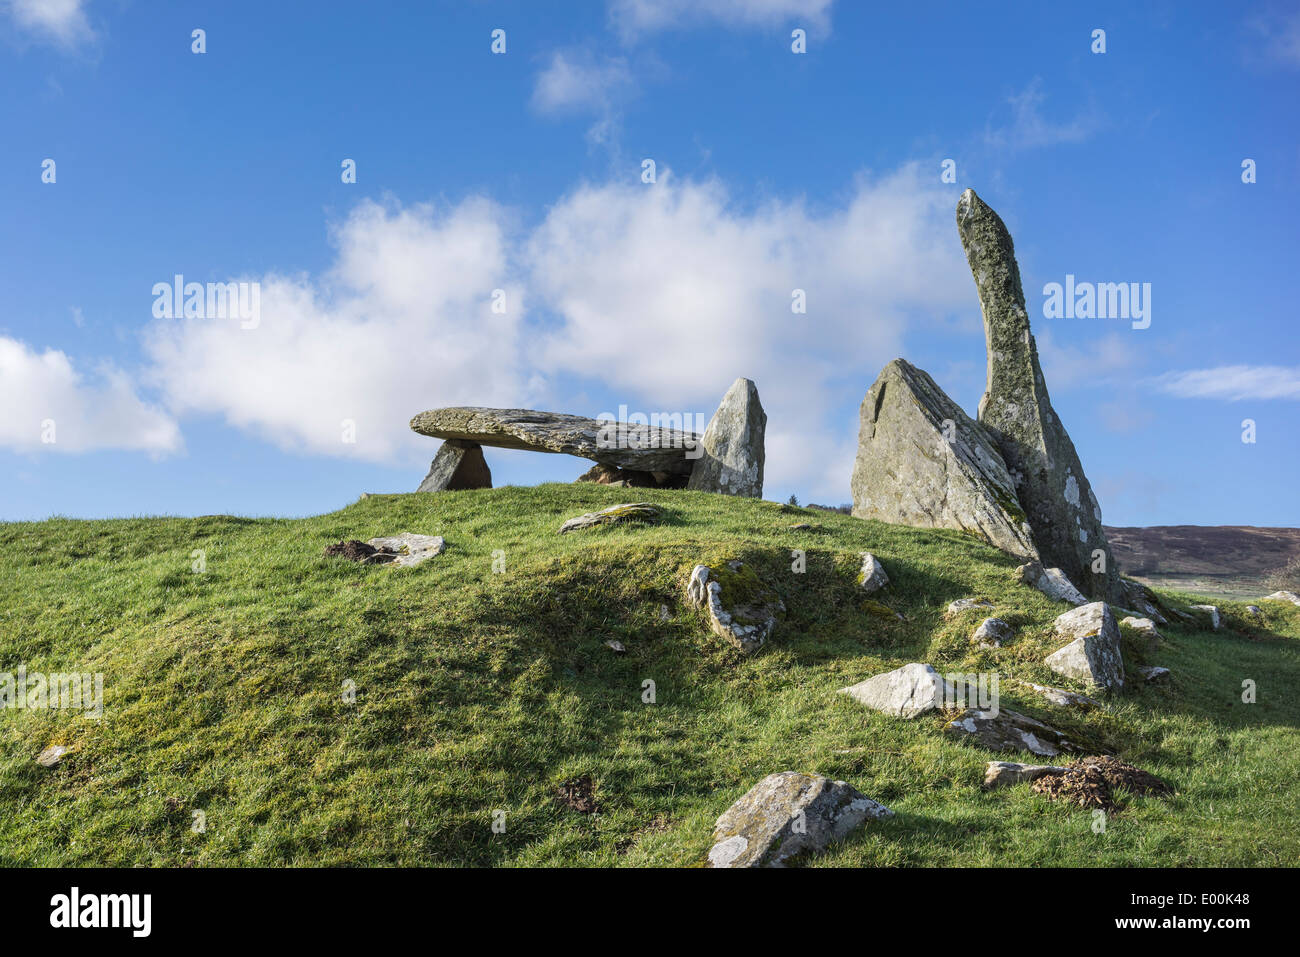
[1143, 599]
[1093, 656]
[1290, 596]
[905, 692]
[411, 549]
[1052, 582]
[458, 465]
[732, 463]
[621, 444]
[742, 609]
[1212, 614]
[786, 815]
[615, 515]
[1003, 730]
[1001, 774]
[1050, 483]
[923, 462]
[872, 577]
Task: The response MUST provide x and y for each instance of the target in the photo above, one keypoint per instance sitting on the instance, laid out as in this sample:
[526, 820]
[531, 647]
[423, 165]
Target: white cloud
[43, 396]
[669, 292]
[1029, 127]
[1232, 383]
[63, 21]
[632, 17]
[578, 80]
[659, 295]
[402, 323]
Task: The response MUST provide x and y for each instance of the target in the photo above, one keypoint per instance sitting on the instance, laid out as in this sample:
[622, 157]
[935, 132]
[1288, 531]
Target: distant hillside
[1231, 560]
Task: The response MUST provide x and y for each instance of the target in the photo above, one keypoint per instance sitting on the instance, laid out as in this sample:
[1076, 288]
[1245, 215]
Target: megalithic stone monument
[1063, 513]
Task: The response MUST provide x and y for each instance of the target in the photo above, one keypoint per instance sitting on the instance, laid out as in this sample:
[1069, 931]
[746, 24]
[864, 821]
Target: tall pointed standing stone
[1063, 512]
[732, 448]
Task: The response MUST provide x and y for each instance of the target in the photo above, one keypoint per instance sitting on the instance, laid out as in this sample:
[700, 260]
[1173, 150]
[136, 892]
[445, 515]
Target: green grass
[479, 691]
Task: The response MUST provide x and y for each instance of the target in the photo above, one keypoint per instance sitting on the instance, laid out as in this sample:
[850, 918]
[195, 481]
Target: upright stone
[732, 459]
[1063, 512]
[922, 461]
[458, 465]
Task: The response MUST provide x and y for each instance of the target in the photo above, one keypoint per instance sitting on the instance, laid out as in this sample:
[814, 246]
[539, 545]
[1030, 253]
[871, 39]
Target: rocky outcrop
[1049, 480]
[786, 815]
[905, 692]
[741, 608]
[922, 461]
[733, 452]
[1093, 656]
[1052, 582]
[872, 576]
[1002, 730]
[458, 465]
[646, 512]
[624, 445]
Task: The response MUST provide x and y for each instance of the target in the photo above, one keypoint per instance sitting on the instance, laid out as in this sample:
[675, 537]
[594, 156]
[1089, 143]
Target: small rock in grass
[52, 755]
[1153, 673]
[615, 515]
[1001, 774]
[746, 615]
[872, 576]
[1002, 730]
[1212, 613]
[905, 692]
[1290, 596]
[991, 633]
[410, 549]
[617, 646]
[1094, 655]
[786, 815]
[1063, 698]
[962, 605]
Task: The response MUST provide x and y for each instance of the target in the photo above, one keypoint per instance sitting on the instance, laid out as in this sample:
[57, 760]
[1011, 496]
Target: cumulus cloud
[1029, 127]
[51, 406]
[666, 293]
[1232, 383]
[404, 321]
[633, 17]
[63, 21]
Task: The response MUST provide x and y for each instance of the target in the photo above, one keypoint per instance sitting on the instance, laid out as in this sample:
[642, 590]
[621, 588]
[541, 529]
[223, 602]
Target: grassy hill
[479, 692]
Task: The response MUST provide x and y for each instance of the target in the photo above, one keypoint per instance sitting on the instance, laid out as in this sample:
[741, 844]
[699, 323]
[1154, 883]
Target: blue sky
[522, 172]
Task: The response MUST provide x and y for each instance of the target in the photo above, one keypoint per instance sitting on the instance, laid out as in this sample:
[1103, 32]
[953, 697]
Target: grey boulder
[643, 512]
[1052, 582]
[1211, 614]
[992, 633]
[905, 692]
[786, 815]
[872, 577]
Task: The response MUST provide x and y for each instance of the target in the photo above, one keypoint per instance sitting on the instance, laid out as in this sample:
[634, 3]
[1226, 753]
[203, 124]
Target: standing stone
[732, 459]
[1094, 655]
[923, 462]
[1050, 484]
[786, 815]
[458, 465]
